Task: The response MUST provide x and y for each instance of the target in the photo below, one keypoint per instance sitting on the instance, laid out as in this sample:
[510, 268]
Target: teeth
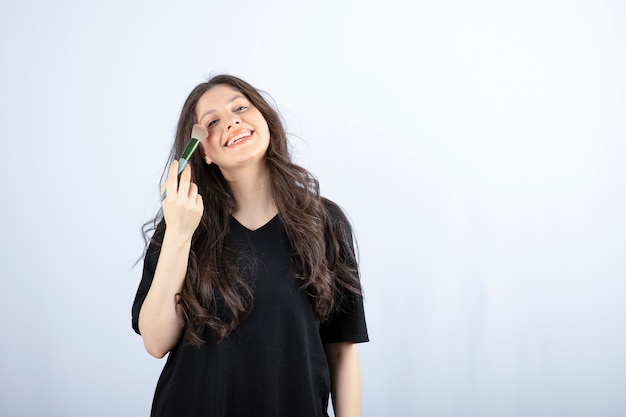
[238, 138]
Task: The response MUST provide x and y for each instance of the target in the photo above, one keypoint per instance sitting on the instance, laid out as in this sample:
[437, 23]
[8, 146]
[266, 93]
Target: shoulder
[335, 213]
[331, 206]
[338, 228]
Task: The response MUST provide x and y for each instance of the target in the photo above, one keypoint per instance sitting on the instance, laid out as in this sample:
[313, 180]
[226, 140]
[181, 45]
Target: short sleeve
[149, 266]
[347, 323]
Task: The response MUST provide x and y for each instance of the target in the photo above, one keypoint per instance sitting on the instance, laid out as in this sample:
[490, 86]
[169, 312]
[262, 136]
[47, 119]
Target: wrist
[176, 239]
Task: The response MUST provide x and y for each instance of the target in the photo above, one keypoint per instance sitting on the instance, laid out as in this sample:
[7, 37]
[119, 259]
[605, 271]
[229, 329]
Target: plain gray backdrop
[478, 148]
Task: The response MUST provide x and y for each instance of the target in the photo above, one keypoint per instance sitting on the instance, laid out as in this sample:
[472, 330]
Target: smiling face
[238, 132]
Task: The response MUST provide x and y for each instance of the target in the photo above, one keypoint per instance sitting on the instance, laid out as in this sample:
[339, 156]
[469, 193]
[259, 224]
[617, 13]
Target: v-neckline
[263, 226]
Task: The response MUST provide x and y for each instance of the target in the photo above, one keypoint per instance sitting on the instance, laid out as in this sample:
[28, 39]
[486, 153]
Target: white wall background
[478, 147]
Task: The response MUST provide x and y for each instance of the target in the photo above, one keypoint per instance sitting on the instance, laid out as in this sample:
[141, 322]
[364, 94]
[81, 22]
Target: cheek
[205, 147]
[211, 141]
[264, 127]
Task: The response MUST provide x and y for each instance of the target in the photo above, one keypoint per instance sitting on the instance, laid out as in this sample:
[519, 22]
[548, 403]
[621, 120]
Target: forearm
[160, 318]
[343, 360]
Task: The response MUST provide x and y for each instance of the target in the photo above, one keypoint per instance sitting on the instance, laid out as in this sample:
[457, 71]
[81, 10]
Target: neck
[251, 189]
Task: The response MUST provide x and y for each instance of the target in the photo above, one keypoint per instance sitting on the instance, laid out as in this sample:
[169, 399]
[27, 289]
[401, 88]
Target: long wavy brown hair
[319, 234]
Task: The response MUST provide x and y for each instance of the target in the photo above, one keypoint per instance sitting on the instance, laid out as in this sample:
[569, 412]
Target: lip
[236, 133]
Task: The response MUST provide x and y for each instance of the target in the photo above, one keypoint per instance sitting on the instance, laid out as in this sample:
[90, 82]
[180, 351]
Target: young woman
[250, 280]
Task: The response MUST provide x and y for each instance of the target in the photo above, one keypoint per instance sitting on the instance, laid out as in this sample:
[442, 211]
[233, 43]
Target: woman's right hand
[160, 318]
[182, 207]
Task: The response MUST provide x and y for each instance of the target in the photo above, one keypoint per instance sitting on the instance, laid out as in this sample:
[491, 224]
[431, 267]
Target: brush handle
[184, 159]
[189, 149]
[182, 163]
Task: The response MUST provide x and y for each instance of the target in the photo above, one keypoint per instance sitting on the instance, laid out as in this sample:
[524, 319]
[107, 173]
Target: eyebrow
[206, 113]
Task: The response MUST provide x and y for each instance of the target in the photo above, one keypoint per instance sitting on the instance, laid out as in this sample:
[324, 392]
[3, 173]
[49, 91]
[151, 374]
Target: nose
[234, 122]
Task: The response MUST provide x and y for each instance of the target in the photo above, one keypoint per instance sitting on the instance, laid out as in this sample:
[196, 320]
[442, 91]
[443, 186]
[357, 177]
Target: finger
[171, 181]
[193, 191]
[173, 171]
[185, 180]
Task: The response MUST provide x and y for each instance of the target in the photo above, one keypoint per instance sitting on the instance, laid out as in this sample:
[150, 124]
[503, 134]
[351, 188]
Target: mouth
[237, 137]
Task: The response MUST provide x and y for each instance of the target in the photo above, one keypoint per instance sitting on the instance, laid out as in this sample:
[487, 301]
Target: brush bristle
[199, 132]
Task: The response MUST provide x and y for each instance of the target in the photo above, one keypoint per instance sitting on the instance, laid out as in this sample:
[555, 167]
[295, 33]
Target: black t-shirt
[274, 363]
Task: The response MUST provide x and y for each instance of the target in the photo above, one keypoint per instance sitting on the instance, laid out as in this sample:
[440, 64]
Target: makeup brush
[198, 133]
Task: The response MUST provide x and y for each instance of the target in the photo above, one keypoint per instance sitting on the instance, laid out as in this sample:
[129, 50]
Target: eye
[240, 108]
[211, 123]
